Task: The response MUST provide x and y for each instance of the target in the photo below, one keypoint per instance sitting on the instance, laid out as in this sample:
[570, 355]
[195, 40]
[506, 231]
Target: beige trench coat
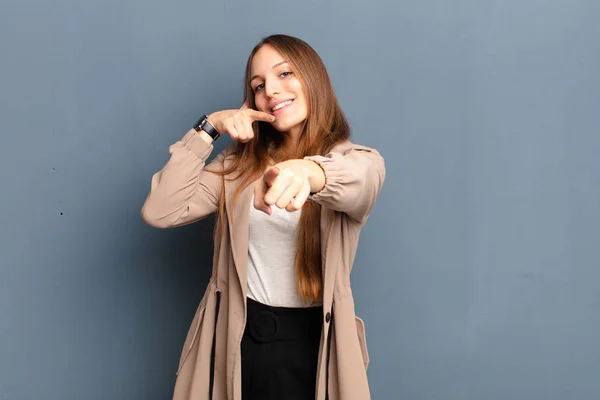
[183, 192]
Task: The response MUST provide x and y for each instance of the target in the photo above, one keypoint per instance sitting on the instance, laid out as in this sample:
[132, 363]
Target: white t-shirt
[271, 253]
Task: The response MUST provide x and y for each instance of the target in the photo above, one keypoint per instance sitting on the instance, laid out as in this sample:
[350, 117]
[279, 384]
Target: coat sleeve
[353, 180]
[183, 192]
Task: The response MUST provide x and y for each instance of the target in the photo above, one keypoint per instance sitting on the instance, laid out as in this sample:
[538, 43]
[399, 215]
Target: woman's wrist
[212, 119]
[205, 136]
[316, 175]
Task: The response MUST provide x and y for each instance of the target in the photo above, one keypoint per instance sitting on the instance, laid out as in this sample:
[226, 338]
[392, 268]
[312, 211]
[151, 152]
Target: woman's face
[277, 90]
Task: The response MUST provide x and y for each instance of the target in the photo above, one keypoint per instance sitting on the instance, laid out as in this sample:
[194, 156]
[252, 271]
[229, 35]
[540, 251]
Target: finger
[290, 192]
[260, 116]
[239, 127]
[271, 175]
[231, 130]
[259, 194]
[280, 184]
[300, 198]
[247, 122]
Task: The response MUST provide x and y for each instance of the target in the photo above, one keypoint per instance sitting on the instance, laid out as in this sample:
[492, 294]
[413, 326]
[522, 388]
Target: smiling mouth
[282, 105]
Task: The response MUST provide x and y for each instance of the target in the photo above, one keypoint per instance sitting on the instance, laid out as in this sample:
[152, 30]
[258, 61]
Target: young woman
[292, 193]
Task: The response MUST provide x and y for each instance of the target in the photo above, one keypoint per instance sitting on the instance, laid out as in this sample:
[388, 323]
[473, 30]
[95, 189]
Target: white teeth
[280, 105]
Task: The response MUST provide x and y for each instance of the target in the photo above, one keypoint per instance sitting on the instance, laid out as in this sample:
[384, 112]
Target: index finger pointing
[270, 175]
[260, 116]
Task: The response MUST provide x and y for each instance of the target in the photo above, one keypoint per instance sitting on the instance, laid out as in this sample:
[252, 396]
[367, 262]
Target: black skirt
[280, 350]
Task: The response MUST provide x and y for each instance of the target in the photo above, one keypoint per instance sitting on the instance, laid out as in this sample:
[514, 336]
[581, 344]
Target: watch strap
[206, 126]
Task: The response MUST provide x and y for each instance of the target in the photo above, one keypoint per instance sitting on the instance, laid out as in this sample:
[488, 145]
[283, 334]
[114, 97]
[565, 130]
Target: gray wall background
[478, 274]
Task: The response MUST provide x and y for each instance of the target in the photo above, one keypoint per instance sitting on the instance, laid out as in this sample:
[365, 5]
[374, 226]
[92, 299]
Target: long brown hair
[324, 127]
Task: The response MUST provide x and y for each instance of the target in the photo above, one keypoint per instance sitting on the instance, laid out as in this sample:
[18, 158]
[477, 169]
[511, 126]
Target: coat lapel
[329, 270]
[238, 228]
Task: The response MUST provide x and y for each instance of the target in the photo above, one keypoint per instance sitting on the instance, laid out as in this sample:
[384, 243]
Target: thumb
[259, 198]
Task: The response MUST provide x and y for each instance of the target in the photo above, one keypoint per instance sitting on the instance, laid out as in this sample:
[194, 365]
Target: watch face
[205, 126]
[200, 122]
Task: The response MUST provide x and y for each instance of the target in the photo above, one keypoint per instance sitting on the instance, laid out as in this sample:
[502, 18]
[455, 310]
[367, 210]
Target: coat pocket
[192, 334]
[362, 339]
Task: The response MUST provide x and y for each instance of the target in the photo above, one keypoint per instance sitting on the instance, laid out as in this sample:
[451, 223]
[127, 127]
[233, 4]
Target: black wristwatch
[207, 127]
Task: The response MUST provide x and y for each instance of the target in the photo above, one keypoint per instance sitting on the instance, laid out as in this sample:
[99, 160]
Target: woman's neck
[292, 140]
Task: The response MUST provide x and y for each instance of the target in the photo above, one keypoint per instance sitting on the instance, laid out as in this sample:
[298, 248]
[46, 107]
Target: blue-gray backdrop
[478, 273]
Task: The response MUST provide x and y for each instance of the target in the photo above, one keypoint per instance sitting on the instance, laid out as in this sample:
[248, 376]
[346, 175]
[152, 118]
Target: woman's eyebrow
[273, 67]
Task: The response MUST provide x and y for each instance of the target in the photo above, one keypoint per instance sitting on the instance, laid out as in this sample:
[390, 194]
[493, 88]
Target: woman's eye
[262, 85]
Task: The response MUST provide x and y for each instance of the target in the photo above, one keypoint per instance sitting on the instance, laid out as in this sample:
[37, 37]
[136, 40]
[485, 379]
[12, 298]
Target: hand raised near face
[238, 123]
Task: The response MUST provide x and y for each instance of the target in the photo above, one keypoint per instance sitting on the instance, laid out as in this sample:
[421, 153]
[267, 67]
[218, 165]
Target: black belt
[267, 324]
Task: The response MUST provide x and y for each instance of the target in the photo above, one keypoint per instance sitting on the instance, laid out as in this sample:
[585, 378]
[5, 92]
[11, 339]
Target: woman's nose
[272, 87]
